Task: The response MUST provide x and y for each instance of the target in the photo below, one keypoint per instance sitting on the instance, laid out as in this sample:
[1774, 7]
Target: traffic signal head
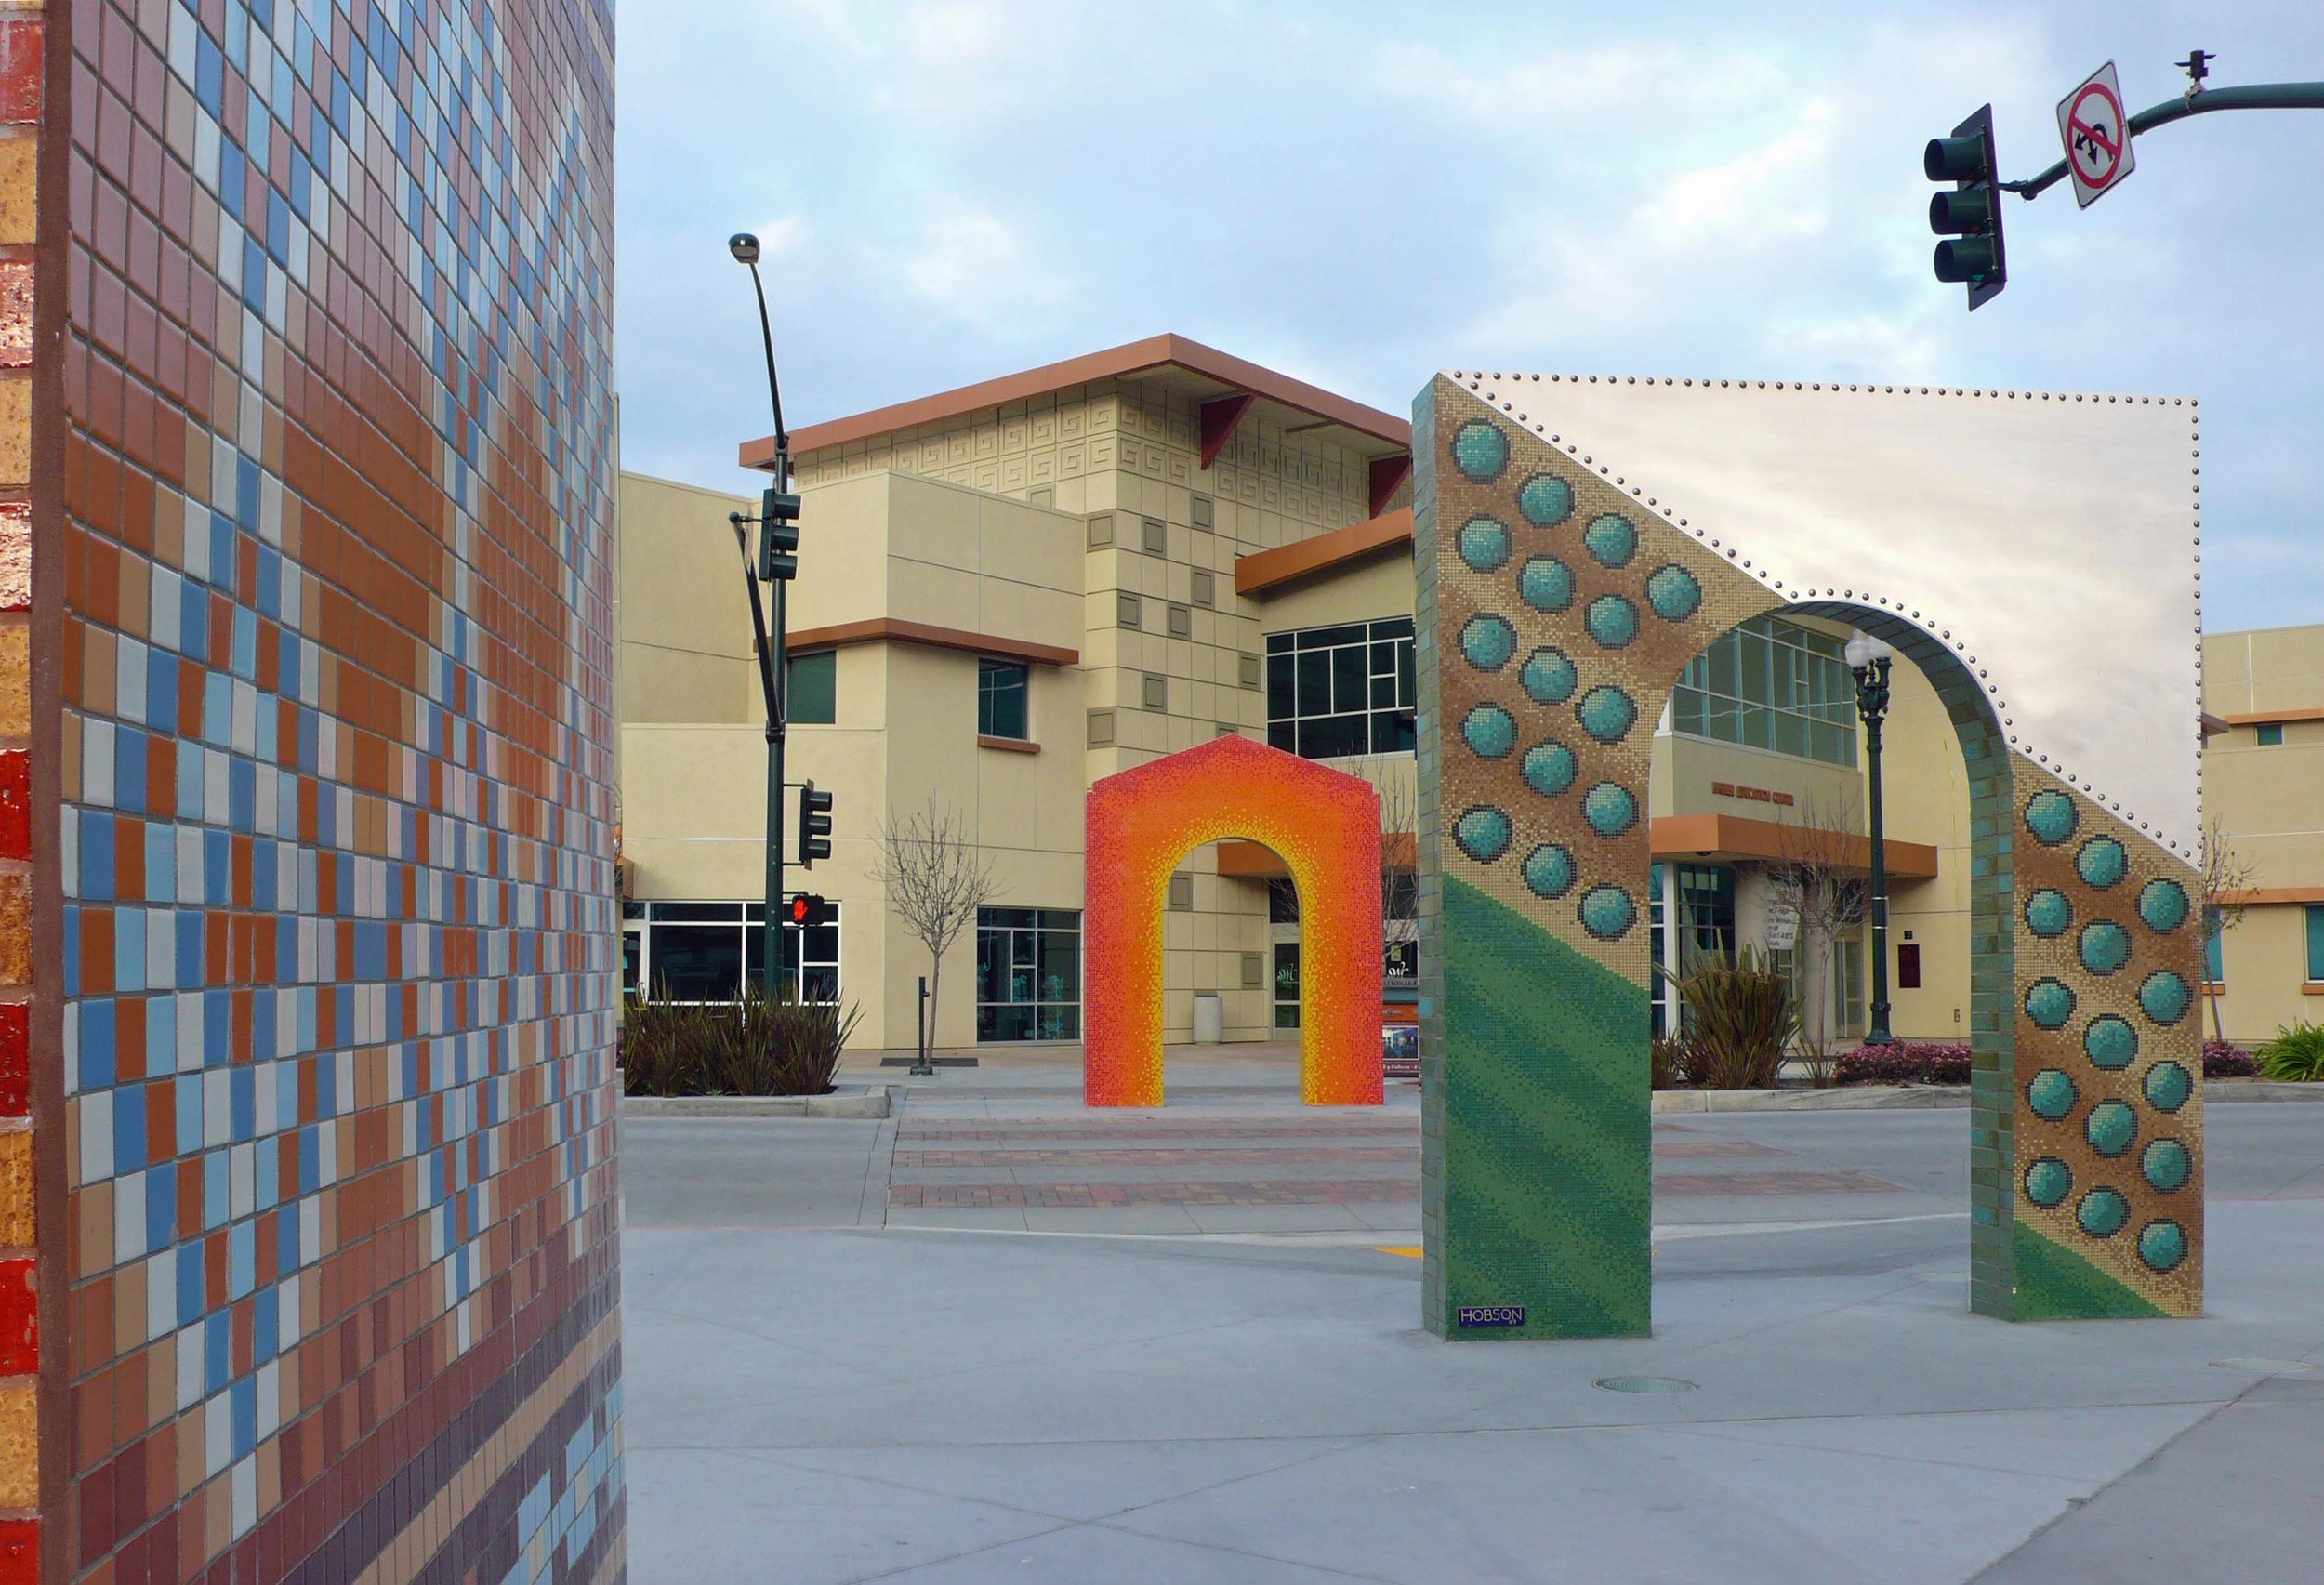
[815, 826]
[778, 542]
[1969, 217]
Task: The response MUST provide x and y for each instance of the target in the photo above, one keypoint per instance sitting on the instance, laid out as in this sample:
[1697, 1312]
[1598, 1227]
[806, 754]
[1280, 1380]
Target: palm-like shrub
[752, 1047]
[1742, 1017]
[2296, 1055]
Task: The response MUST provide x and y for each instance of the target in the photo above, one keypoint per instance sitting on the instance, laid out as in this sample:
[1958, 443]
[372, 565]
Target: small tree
[1817, 877]
[2228, 877]
[936, 878]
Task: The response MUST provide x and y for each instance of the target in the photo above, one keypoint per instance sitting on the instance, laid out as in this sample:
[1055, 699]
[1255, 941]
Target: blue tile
[188, 1113]
[160, 862]
[161, 1207]
[161, 1034]
[242, 1259]
[190, 953]
[129, 1130]
[217, 1359]
[243, 1104]
[128, 949]
[129, 748]
[190, 1293]
[97, 855]
[215, 1189]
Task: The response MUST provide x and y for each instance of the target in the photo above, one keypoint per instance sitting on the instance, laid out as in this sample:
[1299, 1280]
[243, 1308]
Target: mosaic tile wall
[1556, 610]
[332, 860]
[1323, 823]
[22, 1411]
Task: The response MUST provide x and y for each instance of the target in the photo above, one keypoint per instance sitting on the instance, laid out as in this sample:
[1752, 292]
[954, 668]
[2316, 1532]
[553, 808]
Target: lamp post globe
[744, 246]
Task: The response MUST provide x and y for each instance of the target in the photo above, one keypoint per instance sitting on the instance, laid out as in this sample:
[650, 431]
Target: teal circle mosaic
[1611, 540]
[2168, 1087]
[1550, 769]
[1607, 713]
[1480, 451]
[2106, 946]
[1488, 641]
[1549, 675]
[1490, 731]
[2164, 996]
[2163, 905]
[2047, 1182]
[2102, 1214]
[2050, 816]
[2050, 1003]
[2110, 1126]
[2102, 862]
[1545, 583]
[2050, 1095]
[1673, 594]
[1612, 620]
[2167, 1164]
[1483, 833]
[1484, 544]
[1607, 913]
[2161, 1245]
[1610, 809]
[1550, 871]
[2048, 914]
[1546, 501]
[2110, 1042]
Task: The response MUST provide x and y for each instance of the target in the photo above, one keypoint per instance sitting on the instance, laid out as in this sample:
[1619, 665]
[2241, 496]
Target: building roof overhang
[1227, 387]
[1270, 572]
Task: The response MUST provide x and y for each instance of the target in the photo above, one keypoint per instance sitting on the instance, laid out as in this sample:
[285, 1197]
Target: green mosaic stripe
[2054, 1284]
[1544, 1111]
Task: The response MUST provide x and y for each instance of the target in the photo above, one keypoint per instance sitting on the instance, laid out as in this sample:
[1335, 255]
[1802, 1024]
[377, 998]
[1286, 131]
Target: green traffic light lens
[1964, 259]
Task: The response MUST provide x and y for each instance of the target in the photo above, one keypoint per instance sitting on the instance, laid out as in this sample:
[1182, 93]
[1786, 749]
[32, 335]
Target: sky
[1358, 194]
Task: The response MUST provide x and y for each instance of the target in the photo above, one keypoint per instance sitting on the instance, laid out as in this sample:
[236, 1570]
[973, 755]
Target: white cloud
[969, 263]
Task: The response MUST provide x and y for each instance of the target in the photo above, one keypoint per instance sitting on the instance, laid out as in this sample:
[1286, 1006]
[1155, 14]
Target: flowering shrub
[1907, 1062]
[2222, 1059]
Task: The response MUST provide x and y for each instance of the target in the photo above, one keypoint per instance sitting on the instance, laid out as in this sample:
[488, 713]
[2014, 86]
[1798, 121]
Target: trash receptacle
[1210, 1018]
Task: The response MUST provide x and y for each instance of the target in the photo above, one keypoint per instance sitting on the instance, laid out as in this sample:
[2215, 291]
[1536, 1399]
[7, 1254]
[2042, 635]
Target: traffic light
[815, 826]
[1970, 216]
[806, 908]
[778, 543]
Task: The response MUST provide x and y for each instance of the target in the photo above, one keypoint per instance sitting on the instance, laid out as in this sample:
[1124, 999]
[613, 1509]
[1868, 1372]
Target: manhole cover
[2264, 1366]
[1643, 1384]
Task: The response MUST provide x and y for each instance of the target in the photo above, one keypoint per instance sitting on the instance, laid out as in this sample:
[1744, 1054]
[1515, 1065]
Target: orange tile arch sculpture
[1326, 825]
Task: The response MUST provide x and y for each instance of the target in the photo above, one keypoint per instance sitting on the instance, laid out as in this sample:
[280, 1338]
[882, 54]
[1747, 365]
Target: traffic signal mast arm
[2255, 95]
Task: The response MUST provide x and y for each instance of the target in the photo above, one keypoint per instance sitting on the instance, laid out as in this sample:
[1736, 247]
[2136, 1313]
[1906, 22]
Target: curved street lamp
[1868, 659]
[777, 565]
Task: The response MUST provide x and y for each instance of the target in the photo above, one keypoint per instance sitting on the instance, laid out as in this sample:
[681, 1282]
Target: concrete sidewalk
[815, 1393]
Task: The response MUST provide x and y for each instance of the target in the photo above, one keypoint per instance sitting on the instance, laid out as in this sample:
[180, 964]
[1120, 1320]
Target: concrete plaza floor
[998, 1337]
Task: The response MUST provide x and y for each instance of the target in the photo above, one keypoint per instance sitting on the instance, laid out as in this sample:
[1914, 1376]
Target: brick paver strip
[909, 1132]
[1278, 1192]
[1225, 1157]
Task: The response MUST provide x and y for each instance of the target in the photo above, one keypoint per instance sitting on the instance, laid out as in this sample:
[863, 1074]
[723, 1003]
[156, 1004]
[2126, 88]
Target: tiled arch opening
[1555, 613]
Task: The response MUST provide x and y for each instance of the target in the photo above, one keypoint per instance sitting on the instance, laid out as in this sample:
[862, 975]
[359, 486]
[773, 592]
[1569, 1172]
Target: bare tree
[1818, 877]
[936, 878]
[2227, 879]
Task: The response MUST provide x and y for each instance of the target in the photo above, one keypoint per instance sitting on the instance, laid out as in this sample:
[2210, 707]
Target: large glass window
[812, 699]
[1028, 974]
[1772, 684]
[1287, 968]
[1706, 899]
[701, 951]
[1847, 965]
[2315, 944]
[2215, 964]
[1333, 692]
[1001, 695]
[1660, 990]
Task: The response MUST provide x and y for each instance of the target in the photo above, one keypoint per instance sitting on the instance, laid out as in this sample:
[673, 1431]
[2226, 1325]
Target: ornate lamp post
[1868, 658]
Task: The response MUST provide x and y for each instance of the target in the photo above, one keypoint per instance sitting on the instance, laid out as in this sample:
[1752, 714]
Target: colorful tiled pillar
[28, 1435]
[1557, 608]
[308, 945]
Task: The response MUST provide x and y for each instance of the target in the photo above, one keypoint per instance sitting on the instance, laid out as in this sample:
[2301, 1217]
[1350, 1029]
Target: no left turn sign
[2097, 136]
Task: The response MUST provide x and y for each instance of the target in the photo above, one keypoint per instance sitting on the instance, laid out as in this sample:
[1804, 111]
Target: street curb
[1907, 1097]
[847, 1100]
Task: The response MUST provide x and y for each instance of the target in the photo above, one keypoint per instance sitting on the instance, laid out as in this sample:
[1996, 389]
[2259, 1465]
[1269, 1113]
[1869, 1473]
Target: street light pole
[1868, 659]
[770, 637]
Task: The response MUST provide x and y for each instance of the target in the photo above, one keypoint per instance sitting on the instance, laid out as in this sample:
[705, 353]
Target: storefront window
[1028, 974]
[701, 952]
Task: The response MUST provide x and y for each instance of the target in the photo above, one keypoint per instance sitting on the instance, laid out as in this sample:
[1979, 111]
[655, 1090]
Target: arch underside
[1323, 823]
[1556, 611]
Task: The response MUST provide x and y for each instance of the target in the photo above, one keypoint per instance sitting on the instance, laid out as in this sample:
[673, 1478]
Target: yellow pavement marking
[1409, 1251]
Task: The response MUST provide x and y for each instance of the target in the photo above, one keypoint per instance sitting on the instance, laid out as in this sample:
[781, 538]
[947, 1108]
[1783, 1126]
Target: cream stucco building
[1009, 590]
